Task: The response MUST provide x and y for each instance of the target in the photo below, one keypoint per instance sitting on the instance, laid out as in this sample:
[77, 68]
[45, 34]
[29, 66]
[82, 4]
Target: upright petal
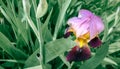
[79, 54]
[84, 13]
[82, 29]
[93, 28]
[99, 24]
[96, 26]
[80, 25]
[75, 21]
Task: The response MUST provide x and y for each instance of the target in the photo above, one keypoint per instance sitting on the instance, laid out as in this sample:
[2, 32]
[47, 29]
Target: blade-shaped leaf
[114, 47]
[109, 61]
[32, 60]
[47, 36]
[97, 59]
[6, 45]
[1, 67]
[57, 47]
[52, 50]
[61, 17]
[35, 67]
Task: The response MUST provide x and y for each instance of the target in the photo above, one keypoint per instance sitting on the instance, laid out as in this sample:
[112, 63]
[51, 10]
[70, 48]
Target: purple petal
[86, 22]
[80, 25]
[67, 33]
[82, 29]
[99, 24]
[79, 54]
[85, 13]
[93, 29]
[95, 42]
[75, 21]
[96, 26]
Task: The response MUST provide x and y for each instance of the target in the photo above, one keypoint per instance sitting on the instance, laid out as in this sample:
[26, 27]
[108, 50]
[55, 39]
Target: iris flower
[86, 27]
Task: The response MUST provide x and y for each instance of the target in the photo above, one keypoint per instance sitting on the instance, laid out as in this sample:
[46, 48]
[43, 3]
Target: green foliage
[7, 46]
[96, 60]
[51, 51]
[31, 34]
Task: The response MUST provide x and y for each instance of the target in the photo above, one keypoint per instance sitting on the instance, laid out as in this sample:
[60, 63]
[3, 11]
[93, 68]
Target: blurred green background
[31, 34]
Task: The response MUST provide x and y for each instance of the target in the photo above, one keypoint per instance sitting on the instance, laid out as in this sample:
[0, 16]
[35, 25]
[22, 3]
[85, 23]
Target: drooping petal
[79, 54]
[95, 42]
[85, 13]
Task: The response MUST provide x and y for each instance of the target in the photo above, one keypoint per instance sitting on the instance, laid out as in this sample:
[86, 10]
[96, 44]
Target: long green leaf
[34, 67]
[109, 61]
[52, 50]
[61, 17]
[47, 36]
[6, 45]
[97, 59]
[1, 67]
[32, 60]
[114, 47]
[17, 25]
[55, 48]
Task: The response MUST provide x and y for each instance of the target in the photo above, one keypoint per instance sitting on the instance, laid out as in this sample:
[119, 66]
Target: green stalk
[40, 35]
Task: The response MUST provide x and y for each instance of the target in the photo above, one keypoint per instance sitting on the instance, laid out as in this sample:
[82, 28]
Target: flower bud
[42, 8]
